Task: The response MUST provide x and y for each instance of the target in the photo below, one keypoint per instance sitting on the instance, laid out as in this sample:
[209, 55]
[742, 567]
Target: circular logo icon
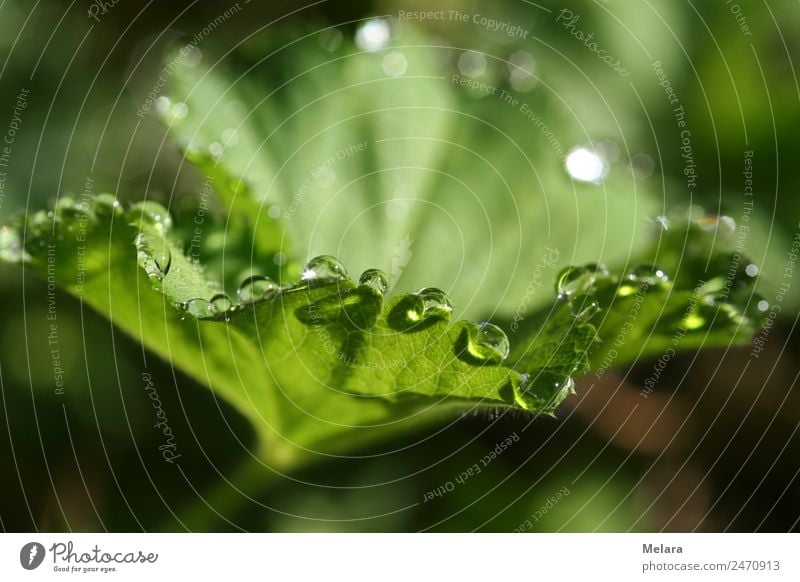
[31, 555]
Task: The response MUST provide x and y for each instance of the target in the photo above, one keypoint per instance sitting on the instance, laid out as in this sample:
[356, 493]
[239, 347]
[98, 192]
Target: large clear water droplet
[488, 343]
[220, 303]
[376, 279]
[151, 213]
[573, 281]
[544, 390]
[199, 308]
[154, 255]
[435, 303]
[256, 288]
[324, 268]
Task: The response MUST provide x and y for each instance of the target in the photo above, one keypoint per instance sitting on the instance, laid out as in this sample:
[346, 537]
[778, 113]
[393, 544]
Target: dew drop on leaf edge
[152, 213]
[324, 268]
[376, 279]
[153, 254]
[255, 288]
[220, 303]
[435, 303]
[488, 343]
[544, 390]
[197, 307]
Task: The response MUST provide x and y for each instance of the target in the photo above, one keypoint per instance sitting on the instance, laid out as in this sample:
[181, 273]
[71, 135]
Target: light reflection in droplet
[586, 165]
[373, 35]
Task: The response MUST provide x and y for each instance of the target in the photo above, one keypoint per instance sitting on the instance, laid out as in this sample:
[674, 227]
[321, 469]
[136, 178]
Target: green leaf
[689, 290]
[414, 174]
[320, 366]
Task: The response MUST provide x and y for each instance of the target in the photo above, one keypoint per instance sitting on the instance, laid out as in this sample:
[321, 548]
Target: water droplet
[324, 268]
[150, 213]
[154, 255]
[751, 270]
[373, 35]
[107, 205]
[376, 279]
[256, 288]
[220, 303]
[435, 303]
[573, 281]
[198, 307]
[763, 305]
[488, 343]
[584, 307]
[650, 274]
[544, 390]
[586, 165]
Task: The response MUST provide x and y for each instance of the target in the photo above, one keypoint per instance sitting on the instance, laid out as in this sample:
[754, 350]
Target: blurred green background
[714, 448]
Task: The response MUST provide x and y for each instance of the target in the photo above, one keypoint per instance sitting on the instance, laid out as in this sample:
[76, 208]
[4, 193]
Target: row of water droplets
[576, 287]
[68, 217]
